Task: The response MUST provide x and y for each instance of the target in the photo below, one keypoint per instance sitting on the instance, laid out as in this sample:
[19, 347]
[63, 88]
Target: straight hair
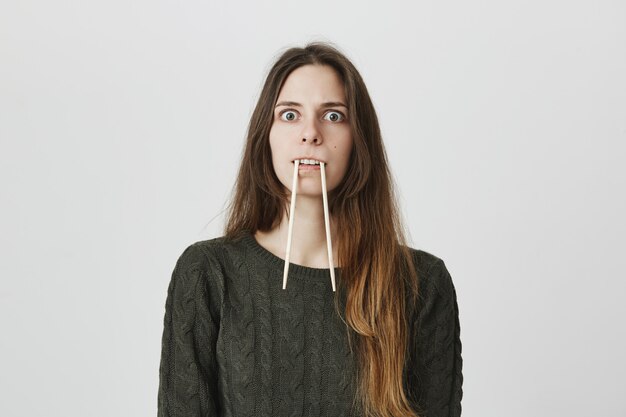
[378, 274]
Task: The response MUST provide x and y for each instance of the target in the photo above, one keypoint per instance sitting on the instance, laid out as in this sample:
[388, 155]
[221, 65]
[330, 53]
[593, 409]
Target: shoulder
[432, 272]
[199, 274]
[217, 257]
[201, 263]
[200, 254]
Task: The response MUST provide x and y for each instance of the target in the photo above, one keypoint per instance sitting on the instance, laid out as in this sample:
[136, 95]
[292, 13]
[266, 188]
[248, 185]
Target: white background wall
[121, 129]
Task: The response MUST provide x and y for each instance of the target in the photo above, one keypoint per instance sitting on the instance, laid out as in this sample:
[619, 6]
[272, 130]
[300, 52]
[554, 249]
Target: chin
[309, 192]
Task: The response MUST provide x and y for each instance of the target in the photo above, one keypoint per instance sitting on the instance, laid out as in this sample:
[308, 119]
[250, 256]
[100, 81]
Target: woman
[258, 323]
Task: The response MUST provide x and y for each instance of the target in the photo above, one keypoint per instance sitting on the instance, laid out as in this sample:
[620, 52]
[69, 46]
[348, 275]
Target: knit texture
[235, 344]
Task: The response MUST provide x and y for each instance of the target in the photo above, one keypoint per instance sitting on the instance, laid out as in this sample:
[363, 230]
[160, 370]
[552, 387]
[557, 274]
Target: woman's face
[310, 121]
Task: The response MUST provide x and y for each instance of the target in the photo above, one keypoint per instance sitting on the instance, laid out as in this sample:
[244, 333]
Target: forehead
[313, 83]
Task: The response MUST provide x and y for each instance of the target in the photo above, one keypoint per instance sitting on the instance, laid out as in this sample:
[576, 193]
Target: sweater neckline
[278, 263]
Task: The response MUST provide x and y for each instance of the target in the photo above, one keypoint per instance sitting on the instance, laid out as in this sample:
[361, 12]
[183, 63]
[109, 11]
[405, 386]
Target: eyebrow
[326, 104]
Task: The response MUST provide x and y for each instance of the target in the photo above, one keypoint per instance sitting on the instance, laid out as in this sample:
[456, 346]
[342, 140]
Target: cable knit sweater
[235, 344]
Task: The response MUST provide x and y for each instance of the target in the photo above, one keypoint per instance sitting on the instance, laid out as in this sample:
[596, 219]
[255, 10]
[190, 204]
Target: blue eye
[291, 115]
[335, 116]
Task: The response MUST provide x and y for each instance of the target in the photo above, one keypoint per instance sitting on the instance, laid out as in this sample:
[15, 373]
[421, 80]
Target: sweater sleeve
[438, 372]
[188, 371]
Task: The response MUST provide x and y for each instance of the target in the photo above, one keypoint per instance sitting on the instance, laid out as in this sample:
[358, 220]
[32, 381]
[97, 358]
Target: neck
[308, 239]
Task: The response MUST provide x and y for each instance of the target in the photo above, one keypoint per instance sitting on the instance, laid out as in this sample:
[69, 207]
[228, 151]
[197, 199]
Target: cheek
[274, 141]
[344, 149]
[279, 159]
[277, 142]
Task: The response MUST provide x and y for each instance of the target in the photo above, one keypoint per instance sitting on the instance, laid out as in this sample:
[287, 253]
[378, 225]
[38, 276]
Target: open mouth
[309, 162]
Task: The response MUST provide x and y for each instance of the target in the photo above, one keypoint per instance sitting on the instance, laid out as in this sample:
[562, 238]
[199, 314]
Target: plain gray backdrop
[122, 125]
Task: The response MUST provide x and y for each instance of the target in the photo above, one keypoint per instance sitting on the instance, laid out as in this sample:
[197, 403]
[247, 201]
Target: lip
[303, 167]
[309, 157]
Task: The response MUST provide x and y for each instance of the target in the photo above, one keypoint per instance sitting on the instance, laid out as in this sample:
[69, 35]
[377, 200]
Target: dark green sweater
[235, 344]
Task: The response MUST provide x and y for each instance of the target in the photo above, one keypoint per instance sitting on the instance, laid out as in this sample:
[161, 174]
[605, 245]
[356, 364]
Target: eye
[334, 116]
[288, 115]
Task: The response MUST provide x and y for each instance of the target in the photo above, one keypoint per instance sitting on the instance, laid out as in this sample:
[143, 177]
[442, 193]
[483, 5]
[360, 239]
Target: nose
[311, 133]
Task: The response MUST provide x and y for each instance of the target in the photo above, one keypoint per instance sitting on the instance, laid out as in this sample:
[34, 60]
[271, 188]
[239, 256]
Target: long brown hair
[378, 276]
